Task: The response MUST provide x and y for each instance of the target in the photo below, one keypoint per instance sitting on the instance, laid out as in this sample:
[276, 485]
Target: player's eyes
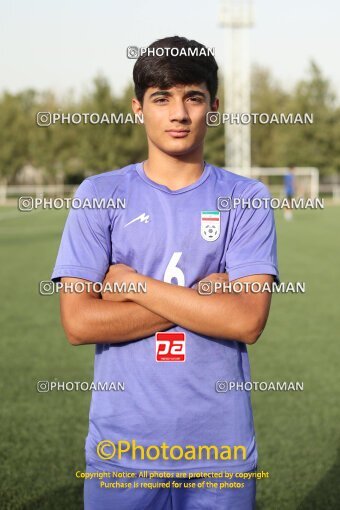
[160, 100]
[197, 99]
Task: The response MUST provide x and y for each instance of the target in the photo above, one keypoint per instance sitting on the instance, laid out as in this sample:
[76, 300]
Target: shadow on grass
[67, 498]
[326, 494]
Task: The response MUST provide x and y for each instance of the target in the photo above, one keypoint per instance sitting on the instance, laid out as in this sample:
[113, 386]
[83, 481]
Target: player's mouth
[178, 133]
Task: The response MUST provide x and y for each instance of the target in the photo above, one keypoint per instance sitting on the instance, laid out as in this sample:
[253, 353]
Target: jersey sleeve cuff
[85, 273]
[254, 268]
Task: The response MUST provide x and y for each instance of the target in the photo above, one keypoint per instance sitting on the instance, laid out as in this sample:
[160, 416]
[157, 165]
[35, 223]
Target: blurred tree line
[66, 152]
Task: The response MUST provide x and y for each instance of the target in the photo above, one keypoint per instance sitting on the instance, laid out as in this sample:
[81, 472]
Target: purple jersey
[179, 237]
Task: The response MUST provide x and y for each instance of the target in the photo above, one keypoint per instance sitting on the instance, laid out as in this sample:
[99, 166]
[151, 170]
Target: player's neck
[175, 173]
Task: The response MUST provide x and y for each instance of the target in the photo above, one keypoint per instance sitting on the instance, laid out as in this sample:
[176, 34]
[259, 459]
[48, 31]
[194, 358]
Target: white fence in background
[9, 194]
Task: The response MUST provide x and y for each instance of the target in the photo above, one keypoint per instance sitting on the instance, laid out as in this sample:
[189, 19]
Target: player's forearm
[226, 316]
[99, 321]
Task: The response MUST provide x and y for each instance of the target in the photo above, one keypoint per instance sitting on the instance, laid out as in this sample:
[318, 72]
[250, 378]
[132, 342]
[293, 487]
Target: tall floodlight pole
[237, 17]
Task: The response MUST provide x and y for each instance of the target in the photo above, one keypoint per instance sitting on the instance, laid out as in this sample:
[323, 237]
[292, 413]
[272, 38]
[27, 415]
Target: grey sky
[63, 44]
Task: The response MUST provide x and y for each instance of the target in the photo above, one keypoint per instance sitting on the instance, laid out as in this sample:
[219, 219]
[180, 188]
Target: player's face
[175, 119]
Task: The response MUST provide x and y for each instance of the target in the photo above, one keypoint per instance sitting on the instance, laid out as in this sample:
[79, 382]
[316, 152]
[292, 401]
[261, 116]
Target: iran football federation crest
[210, 225]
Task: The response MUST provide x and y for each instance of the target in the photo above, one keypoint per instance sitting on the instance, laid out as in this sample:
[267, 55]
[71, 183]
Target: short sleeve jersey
[160, 229]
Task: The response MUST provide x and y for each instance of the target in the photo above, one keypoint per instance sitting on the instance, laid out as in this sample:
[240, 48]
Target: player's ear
[215, 105]
[136, 106]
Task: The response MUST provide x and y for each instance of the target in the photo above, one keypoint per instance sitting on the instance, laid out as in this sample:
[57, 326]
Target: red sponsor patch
[170, 346]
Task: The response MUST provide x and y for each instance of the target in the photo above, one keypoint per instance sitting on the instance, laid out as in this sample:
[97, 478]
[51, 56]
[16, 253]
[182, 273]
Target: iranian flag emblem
[210, 225]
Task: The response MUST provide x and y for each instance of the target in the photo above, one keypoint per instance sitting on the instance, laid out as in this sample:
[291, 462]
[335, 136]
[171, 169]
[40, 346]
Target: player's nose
[178, 112]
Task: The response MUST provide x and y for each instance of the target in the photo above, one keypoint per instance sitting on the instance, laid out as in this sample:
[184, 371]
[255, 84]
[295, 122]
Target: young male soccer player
[175, 415]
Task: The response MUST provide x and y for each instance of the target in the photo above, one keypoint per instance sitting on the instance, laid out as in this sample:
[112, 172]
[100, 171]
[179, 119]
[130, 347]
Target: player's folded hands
[116, 282]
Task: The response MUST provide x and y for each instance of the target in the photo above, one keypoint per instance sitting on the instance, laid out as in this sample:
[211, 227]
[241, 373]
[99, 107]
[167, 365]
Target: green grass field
[42, 434]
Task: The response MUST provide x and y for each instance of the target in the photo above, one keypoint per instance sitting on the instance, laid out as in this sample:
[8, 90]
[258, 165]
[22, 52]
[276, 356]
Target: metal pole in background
[237, 17]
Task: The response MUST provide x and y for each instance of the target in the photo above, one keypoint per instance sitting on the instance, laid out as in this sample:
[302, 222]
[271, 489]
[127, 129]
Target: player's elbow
[73, 335]
[247, 333]
[253, 330]
[74, 339]
[73, 328]
[248, 328]
[251, 337]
